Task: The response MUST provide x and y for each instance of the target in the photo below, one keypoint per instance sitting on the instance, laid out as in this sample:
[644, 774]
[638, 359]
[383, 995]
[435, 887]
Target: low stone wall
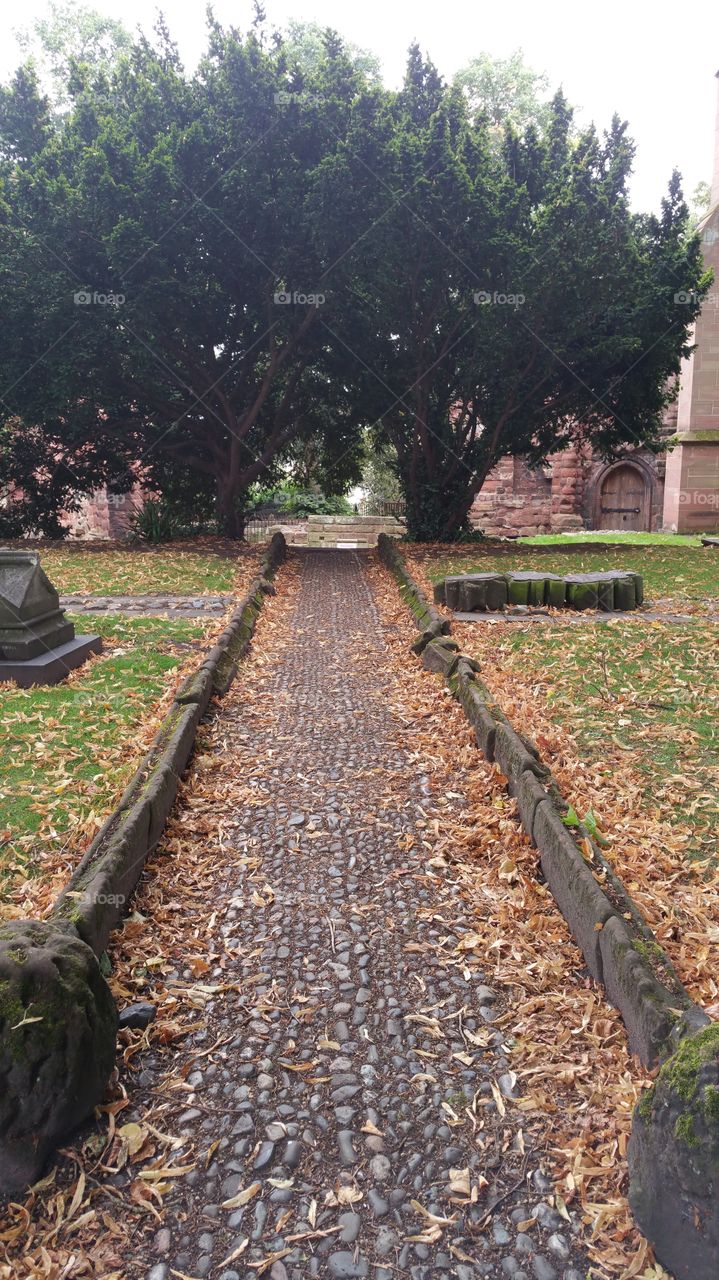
[333, 532]
[617, 589]
[58, 1020]
[350, 531]
[674, 1148]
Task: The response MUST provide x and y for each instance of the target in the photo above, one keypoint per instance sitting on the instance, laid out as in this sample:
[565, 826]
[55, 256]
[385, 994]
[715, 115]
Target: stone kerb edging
[58, 1020]
[674, 1148]
[428, 620]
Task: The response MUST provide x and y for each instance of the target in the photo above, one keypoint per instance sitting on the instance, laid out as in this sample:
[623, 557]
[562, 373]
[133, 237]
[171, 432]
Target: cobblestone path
[350, 1120]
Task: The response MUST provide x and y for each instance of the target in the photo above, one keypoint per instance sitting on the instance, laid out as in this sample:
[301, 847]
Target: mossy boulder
[58, 1024]
[674, 1159]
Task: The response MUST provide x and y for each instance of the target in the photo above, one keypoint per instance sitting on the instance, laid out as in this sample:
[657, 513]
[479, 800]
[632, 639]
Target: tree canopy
[205, 274]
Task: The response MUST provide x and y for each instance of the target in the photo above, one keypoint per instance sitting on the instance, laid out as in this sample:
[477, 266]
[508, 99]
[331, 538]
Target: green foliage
[182, 505]
[71, 40]
[306, 48]
[380, 479]
[700, 202]
[164, 332]
[308, 503]
[505, 91]
[466, 299]
[292, 500]
[157, 521]
[538, 291]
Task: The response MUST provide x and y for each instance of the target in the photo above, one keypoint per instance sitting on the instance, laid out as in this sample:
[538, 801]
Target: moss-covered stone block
[581, 591]
[478, 592]
[605, 592]
[480, 717]
[197, 689]
[648, 1009]
[531, 587]
[517, 588]
[442, 656]
[674, 1159]
[432, 632]
[474, 597]
[514, 756]
[452, 588]
[579, 897]
[530, 793]
[58, 1024]
[555, 591]
[625, 592]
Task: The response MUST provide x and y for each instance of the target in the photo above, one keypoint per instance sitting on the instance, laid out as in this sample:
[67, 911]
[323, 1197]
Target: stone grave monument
[37, 643]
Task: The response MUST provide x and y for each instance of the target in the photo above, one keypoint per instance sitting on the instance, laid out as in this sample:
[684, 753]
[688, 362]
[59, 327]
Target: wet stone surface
[351, 1096]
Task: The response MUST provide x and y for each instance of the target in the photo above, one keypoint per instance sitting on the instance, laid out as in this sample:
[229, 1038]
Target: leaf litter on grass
[69, 750]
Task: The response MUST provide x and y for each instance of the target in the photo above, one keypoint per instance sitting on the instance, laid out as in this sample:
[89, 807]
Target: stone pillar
[691, 493]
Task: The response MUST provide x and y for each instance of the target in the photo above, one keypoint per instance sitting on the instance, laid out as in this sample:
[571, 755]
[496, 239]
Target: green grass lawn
[634, 539]
[680, 573]
[69, 750]
[136, 571]
[640, 699]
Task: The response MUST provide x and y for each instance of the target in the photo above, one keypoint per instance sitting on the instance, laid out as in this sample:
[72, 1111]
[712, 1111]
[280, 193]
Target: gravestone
[37, 643]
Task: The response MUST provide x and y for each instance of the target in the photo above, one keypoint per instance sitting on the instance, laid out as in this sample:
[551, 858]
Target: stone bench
[617, 589]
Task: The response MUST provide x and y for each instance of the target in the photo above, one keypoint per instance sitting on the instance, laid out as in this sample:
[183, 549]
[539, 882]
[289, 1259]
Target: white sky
[654, 64]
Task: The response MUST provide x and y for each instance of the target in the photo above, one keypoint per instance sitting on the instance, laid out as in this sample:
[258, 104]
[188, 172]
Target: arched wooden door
[624, 499]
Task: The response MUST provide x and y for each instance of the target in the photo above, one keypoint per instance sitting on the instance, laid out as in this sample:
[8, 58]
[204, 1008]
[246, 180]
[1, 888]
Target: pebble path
[351, 1113]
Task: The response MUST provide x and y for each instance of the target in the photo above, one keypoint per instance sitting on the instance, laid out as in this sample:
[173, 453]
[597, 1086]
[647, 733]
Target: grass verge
[69, 750]
[133, 572]
[683, 574]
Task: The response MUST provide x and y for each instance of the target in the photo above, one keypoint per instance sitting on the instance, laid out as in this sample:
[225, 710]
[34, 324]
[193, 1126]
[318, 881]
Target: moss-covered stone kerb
[674, 1159]
[427, 619]
[58, 1024]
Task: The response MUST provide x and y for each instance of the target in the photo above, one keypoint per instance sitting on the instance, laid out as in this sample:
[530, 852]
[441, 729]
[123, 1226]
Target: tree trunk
[230, 510]
[438, 500]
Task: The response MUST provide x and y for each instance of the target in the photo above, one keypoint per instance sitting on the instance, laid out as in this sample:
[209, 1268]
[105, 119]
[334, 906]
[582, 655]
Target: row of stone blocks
[482, 592]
